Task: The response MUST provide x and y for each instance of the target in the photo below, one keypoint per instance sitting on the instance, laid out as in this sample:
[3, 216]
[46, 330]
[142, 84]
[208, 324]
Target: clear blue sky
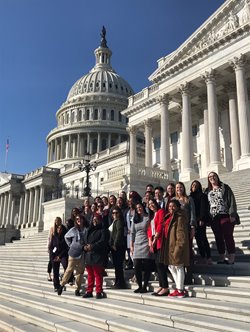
[46, 45]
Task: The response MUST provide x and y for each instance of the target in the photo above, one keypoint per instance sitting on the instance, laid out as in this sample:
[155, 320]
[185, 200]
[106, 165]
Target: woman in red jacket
[155, 233]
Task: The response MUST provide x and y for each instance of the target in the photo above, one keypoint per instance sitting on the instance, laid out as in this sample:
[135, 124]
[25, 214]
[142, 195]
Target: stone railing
[39, 171]
[139, 171]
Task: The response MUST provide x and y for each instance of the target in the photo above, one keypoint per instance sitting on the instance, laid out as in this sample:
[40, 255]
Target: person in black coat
[58, 250]
[97, 238]
[203, 219]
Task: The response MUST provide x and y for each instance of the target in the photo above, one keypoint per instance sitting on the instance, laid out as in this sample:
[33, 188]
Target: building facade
[193, 118]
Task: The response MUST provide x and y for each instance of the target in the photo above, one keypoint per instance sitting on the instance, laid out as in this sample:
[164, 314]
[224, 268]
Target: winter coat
[175, 247]
[229, 201]
[98, 237]
[118, 236]
[58, 247]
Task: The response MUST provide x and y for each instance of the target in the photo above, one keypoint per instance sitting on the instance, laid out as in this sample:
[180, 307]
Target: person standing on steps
[175, 246]
[223, 210]
[75, 240]
[97, 238]
[58, 253]
[140, 249]
[203, 219]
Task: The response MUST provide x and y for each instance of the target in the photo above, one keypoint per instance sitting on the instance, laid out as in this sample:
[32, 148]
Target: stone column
[9, 200]
[98, 142]
[31, 206]
[26, 204]
[21, 209]
[88, 142]
[109, 141]
[206, 156]
[41, 200]
[187, 169]
[11, 221]
[1, 209]
[132, 145]
[213, 123]
[35, 212]
[165, 145]
[148, 143]
[234, 127]
[91, 145]
[69, 147]
[48, 153]
[5, 204]
[238, 64]
[62, 148]
[78, 145]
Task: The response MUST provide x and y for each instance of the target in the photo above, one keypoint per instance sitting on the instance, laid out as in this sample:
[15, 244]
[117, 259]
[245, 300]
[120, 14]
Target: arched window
[87, 115]
[104, 115]
[96, 114]
[112, 115]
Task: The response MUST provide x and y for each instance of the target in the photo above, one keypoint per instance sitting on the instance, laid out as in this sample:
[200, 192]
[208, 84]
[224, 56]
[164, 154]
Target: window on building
[174, 137]
[120, 117]
[157, 143]
[194, 130]
[96, 114]
[104, 144]
[104, 115]
[87, 115]
[112, 115]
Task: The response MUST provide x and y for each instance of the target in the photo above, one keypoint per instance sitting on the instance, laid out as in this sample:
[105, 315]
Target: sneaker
[181, 294]
[60, 290]
[87, 295]
[78, 292]
[99, 296]
[174, 293]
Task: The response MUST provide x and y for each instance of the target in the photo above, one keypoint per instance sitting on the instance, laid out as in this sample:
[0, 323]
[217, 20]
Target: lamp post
[87, 166]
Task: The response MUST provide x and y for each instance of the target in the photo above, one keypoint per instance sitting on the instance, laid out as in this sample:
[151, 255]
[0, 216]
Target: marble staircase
[218, 301]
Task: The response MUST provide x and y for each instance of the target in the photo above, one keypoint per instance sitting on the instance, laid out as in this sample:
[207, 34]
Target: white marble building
[194, 117]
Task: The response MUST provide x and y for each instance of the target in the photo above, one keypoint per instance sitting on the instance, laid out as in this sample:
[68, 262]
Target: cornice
[92, 100]
[226, 24]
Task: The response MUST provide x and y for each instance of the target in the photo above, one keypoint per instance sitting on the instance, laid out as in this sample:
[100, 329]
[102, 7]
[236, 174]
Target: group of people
[154, 233]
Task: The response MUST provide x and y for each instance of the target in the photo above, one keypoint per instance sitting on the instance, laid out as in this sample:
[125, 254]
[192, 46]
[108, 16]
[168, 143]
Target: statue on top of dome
[103, 35]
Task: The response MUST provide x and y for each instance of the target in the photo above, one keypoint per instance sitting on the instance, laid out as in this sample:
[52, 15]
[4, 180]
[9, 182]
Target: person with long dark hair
[118, 246]
[175, 246]
[155, 233]
[202, 219]
[223, 210]
[140, 249]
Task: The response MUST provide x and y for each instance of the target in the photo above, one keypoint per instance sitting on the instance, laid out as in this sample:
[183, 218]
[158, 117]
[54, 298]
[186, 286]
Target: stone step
[146, 307]
[238, 269]
[223, 281]
[56, 313]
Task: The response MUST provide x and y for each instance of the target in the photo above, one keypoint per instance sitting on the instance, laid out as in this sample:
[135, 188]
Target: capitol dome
[102, 78]
[91, 119]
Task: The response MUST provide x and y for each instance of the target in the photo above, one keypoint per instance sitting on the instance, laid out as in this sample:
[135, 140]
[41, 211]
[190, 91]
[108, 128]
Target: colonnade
[76, 145]
[28, 207]
[239, 118]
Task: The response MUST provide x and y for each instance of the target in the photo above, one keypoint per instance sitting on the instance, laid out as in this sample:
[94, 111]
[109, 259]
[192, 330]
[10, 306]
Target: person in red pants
[96, 249]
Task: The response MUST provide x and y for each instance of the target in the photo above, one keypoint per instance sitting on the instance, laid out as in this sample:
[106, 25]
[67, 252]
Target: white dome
[100, 81]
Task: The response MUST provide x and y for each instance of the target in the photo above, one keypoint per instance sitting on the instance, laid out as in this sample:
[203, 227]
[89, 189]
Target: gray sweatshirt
[75, 240]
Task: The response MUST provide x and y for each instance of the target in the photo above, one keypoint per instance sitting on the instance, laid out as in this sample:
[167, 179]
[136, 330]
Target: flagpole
[6, 154]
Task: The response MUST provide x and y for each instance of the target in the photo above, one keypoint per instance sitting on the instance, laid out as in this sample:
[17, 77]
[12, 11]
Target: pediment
[4, 178]
[232, 16]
